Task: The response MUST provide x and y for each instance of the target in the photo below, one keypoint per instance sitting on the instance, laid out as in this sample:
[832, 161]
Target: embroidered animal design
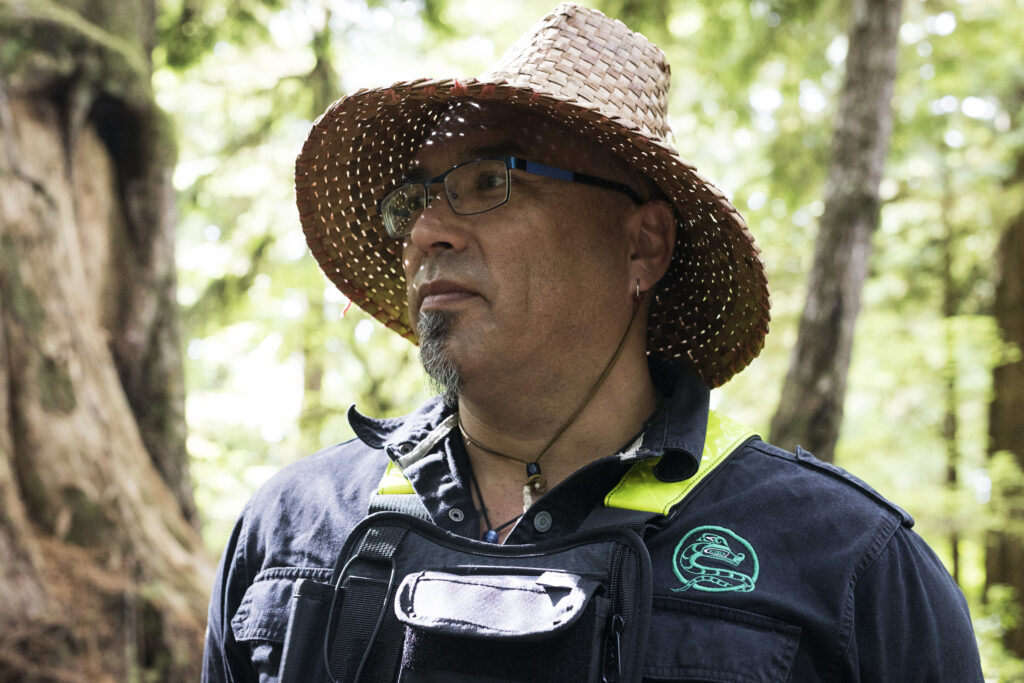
[715, 559]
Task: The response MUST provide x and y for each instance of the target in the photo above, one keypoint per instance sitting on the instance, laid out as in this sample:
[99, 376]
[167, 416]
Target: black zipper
[619, 595]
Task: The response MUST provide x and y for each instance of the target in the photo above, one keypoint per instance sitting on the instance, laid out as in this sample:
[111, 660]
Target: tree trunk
[1004, 559]
[950, 308]
[811, 407]
[102, 574]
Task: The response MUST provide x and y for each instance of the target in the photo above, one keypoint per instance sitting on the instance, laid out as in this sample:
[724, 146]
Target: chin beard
[434, 328]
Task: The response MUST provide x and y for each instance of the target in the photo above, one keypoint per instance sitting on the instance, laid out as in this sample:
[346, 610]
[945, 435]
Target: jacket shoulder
[838, 480]
[344, 468]
[307, 508]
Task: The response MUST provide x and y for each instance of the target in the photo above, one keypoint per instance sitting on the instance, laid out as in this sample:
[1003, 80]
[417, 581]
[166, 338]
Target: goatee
[434, 328]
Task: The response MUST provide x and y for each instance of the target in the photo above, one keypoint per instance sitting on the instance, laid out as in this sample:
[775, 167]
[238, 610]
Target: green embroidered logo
[714, 559]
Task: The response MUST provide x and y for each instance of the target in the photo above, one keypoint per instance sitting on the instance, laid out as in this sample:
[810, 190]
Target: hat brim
[710, 309]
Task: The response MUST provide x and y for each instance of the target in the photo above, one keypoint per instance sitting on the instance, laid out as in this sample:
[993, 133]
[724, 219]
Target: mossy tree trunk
[102, 575]
[811, 407]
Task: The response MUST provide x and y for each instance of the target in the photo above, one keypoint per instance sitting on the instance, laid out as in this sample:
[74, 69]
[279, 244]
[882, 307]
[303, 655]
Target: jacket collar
[676, 430]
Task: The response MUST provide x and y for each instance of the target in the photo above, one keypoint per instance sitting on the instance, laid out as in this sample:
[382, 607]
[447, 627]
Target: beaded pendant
[536, 484]
[534, 479]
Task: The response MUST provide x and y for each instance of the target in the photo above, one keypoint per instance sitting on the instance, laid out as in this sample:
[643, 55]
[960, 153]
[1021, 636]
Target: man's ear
[652, 232]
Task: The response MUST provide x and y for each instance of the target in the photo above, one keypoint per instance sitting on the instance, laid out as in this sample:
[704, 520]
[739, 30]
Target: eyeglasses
[474, 187]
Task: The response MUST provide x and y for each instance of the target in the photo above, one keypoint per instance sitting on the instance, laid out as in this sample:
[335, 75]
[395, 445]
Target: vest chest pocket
[490, 625]
[261, 620]
[693, 641]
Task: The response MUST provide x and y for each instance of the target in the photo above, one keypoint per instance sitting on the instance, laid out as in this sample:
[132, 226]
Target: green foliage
[641, 15]
[1000, 612]
[224, 299]
[188, 29]
[1007, 479]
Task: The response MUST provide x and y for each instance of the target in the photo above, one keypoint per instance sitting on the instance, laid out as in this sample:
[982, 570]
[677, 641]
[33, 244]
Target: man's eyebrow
[418, 173]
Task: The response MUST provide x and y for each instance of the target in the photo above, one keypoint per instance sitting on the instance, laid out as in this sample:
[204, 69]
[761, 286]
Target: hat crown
[580, 55]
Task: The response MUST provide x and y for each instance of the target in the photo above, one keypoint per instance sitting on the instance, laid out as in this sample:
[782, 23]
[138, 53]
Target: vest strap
[406, 503]
[366, 641]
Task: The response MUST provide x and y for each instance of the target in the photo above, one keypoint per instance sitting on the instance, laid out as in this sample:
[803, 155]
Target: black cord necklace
[491, 534]
[536, 482]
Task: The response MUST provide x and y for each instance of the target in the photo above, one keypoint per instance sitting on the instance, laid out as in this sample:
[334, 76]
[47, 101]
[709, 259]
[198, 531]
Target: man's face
[535, 282]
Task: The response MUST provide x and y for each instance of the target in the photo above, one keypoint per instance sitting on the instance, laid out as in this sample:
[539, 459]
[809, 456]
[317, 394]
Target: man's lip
[441, 293]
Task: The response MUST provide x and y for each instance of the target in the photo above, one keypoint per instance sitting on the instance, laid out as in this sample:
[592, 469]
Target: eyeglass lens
[471, 188]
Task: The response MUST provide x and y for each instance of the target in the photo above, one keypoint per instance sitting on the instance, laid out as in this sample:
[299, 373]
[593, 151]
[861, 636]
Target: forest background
[189, 115]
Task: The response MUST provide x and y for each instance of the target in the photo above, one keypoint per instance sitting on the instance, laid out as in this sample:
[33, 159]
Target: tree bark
[1004, 559]
[811, 407]
[950, 372]
[103, 576]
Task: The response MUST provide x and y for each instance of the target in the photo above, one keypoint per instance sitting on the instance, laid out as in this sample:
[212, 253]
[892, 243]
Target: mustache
[447, 265]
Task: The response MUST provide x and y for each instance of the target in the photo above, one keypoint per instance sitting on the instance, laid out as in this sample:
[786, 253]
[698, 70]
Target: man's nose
[438, 227]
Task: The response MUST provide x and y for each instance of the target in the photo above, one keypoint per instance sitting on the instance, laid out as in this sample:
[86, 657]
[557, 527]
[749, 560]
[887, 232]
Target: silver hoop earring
[637, 296]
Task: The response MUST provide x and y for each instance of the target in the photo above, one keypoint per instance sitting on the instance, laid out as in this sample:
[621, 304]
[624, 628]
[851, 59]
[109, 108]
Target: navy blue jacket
[775, 567]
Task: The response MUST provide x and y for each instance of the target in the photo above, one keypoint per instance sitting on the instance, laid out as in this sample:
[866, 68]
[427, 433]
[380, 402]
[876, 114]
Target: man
[576, 288]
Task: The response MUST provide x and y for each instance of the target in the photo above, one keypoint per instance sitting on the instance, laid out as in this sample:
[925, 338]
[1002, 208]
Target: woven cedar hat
[594, 76]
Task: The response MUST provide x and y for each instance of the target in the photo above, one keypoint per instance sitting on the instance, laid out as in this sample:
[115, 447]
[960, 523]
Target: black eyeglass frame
[511, 163]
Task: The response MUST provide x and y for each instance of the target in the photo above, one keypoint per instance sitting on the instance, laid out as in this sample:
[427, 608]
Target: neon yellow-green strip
[639, 489]
[393, 481]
